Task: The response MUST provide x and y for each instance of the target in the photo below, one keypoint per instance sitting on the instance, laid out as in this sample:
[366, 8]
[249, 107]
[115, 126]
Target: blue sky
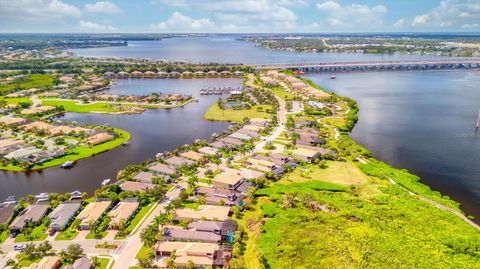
[238, 16]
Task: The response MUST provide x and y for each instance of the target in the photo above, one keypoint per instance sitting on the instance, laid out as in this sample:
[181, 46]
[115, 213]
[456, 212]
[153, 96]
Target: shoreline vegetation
[76, 154]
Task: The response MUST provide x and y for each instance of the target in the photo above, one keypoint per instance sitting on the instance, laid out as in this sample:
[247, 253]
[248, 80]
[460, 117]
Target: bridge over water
[431, 64]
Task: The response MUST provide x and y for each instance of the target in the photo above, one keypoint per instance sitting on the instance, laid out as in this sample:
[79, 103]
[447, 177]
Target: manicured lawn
[38, 234]
[92, 236]
[136, 220]
[15, 101]
[345, 173]
[68, 234]
[27, 82]
[216, 113]
[278, 91]
[78, 153]
[3, 236]
[103, 263]
[72, 106]
[23, 260]
[143, 252]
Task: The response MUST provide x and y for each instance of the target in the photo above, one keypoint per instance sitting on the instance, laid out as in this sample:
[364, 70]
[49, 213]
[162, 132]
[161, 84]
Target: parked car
[19, 247]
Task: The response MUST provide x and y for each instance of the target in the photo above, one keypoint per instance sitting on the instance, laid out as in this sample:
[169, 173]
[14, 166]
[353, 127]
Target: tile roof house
[306, 155]
[178, 161]
[223, 228]
[214, 196]
[48, 262]
[201, 254]
[82, 263]
[6, 214]
[208, 151]
[161, 168]
[62, 215]
[191, 235]
[231, 141]
[99, 138]
[9, 120]
[227, 180]
[92, 213]
[192, 155]
[123, 211]
[136, 186]
[32, 214]
[145, 177]
[209, 212]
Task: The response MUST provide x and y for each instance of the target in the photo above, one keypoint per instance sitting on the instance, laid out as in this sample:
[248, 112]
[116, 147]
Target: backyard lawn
[38, 234]
[216, 113]
[345, 173]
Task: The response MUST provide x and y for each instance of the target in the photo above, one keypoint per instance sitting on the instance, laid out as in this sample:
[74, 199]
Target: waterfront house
[199, 74]
[37, 110]
[225, 73]
[191, 235]
[208, 212]
[232, 142]
[47, 262]
[32, 214]
[136, 186]
[122, 75]
[122, 212]
[37, 125]
[160, 168]
[228, 181]
[62, 215]
[6, 214]
[174, 74]
[162, 74]
[208, 151]
[251, 133]
[109, 75]
[66, 130]
[12, 121]
[212, 73]
[11, 145]
[99, 138]
[145, 177]
[149, 74]
[259, 122]
[136, 74]
[218, 145]
[306, 155]
[178, 161]
[201, 254]
[192, 155]
[238, 73]
[241, 136]
[187, 74]
[92, 213]
[252, 127]
[82, 263]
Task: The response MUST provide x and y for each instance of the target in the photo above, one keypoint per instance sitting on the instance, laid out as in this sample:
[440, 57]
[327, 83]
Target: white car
[19, 247]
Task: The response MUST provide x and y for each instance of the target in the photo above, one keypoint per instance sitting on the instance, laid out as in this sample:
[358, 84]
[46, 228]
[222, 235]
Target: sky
[238, 16]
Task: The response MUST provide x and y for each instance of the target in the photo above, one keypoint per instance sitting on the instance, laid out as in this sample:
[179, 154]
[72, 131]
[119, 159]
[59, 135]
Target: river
[421, 121]
[153, 131]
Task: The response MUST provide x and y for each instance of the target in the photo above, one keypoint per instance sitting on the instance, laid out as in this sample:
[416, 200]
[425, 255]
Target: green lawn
[103, 263]
[38, 234]
[278, 91]
[16, 100]
[72, 106]
[23, 260]
[27, 82]
[78, 153]
[345, 173]
[3, 236]
[68, 234]
[143, 252]
[136, 220]
[218, 114]
[92, 235]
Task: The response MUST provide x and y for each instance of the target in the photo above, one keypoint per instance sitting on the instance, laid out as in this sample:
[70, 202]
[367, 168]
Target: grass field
[278, 91]
[68, 234]
[27, 82]
[136, 220]
[24, 261]
[345, 173]
[3, 236]
[103, 263]
[218, 114]
[78, 153]
[72, 106]
[38, 234]
[15, 101]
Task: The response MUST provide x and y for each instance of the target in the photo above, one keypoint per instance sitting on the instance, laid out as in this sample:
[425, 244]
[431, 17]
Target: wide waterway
[224, 49]
[153, 131]
[421, 121]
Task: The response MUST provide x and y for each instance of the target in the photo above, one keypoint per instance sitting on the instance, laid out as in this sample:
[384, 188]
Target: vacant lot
[216, 113]
[27, 82]
[345, 173]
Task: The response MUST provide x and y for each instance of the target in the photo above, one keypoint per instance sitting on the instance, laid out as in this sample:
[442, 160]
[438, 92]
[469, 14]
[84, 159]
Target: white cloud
[352, 16]
[471, 26]
[449, 15]
[421, 19]
[399, 23]
[95, 27]
[178, 22]
[103, 7]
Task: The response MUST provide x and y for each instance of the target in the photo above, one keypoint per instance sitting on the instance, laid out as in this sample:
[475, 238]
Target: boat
[67, 164]
[126, 143]
[106, 181]
[42, 196]
[333, 77]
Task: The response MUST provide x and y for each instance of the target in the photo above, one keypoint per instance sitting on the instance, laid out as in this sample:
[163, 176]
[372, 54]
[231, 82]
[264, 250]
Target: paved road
[125, 254]
[282, 119]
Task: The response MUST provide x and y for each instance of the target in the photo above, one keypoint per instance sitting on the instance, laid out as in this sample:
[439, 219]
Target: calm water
[422, 121]
[152, 132]
[222, 49]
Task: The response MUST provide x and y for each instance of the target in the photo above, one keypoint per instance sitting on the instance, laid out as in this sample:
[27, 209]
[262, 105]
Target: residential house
[225, 229]
[122, 212]
[208, 151]
[99, 138]
[306, 155]
[92, 213]
[136, 186]
[82, 263]
[160, 168]
[259, 122]
[12, 121]
[62, 215]
[233, 142]
[218, 145]
[47, 262]
[261, 165]
[241, 136]
[192, 155]
[218, 196]
[6, 214]
[227, 181]
[178, 161]
[208, 212]
[145, 177]
[32, 214]
[191, 235]
[201, 254]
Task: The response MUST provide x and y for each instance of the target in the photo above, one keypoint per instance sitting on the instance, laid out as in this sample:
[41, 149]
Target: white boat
[67, 164]
[106, 181]
[43, 195]
[333, 77]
